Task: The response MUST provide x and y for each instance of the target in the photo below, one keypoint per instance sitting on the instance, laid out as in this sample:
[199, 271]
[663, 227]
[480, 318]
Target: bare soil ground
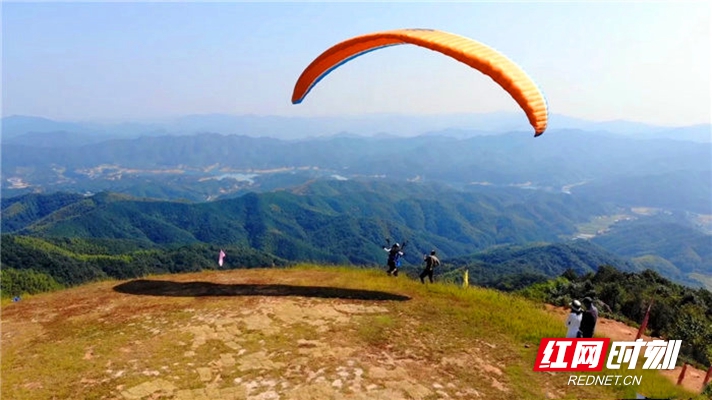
[261, 335]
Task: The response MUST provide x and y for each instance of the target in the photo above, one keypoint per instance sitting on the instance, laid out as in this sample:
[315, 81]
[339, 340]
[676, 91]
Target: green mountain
[506, 237]
[512, 267]
[20, 211]
[329, 221]
[70, 262]
[676, 311]
[664, 243]
[660, 190]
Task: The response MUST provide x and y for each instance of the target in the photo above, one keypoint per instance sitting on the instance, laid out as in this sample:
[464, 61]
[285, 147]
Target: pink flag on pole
[220, 259]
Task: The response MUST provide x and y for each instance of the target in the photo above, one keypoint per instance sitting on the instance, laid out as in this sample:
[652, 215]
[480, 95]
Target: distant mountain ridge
[290, 128]
[633, 172]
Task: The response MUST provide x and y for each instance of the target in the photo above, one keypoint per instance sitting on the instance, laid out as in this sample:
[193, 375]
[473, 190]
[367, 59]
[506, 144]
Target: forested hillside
[327, 221]
[688, 249]
[676, 311]
[512, 267]
[507, 238]
[33, 265]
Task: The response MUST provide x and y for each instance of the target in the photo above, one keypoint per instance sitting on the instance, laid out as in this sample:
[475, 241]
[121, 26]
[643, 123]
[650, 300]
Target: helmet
[396, 245]
[432, 252]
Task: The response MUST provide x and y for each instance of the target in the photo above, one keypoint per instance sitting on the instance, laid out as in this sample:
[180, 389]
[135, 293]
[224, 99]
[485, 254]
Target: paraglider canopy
[479, 56]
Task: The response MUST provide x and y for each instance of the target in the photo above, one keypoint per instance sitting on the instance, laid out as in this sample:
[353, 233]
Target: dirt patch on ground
[226, 336]
[255, 335]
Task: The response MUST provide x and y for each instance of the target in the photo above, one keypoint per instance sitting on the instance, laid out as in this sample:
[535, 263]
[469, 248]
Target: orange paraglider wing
[481, 57]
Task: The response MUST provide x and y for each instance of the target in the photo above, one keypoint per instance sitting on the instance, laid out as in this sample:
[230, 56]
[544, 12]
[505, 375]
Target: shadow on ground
[148, 287]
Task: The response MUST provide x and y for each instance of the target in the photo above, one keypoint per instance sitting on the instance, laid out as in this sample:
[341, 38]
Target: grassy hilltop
[304, 332]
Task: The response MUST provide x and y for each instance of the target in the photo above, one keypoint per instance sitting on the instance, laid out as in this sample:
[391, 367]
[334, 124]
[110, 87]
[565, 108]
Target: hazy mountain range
[665, 173]
[331, 189]
[457, 125]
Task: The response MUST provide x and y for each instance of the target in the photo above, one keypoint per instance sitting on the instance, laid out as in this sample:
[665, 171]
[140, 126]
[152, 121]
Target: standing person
[394, 255]
[588, 319]
[573, 322]
[430, 262]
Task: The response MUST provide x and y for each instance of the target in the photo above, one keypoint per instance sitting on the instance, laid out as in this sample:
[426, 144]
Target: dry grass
[304, 332]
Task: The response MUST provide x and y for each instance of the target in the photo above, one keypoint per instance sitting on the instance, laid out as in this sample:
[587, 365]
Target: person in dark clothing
[589, 318]
[394, 256]
[430, 262]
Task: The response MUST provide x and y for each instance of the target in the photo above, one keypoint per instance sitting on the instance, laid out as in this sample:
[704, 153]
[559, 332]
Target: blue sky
[639, 61]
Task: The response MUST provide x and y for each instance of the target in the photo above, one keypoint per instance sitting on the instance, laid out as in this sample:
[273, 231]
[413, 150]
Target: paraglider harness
[394, 256]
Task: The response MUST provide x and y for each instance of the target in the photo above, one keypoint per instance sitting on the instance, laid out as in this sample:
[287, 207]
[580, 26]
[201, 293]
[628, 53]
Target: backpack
[432, 261]
[397, 259]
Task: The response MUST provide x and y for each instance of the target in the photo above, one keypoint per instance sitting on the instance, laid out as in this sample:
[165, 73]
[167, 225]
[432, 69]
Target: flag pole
[644, 324]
